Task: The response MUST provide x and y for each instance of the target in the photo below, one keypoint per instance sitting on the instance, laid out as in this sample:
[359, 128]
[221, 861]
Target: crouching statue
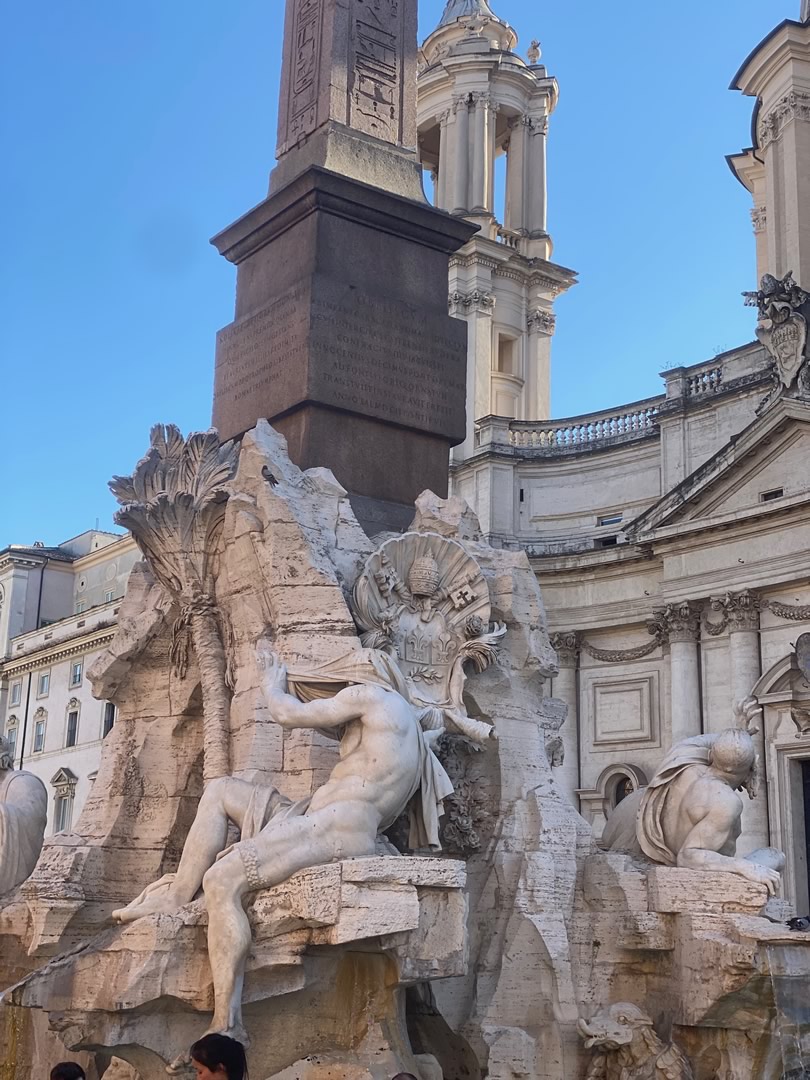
[23, 813]
[690, 813]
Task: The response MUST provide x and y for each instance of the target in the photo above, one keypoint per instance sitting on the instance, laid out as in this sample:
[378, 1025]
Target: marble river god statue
[23, 813]
[690, 813]
[386, 763]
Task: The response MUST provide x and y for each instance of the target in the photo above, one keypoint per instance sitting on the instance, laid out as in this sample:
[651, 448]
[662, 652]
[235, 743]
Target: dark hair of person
[67, 1070]
[220, 1051]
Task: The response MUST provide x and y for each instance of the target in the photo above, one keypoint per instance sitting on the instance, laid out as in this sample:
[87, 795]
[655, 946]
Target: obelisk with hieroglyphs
[341, 336]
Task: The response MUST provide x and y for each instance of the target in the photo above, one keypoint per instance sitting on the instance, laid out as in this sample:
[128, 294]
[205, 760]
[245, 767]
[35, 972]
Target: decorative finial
[534, 54]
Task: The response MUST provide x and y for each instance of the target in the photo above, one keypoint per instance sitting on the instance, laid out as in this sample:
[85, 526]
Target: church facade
[671, 536]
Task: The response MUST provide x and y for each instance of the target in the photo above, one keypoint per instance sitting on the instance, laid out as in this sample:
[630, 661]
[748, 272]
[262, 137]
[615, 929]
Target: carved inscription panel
[351, 351]
[261, 363]
[387, 360]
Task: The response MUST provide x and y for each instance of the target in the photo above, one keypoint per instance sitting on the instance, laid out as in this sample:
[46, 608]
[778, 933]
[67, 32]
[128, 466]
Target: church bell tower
[483, 117]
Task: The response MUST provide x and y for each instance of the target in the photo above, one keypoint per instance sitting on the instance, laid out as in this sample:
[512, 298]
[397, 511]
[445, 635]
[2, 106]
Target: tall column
[492, 127]
[442, 183]
[476, 308]
[680, 623]
[461, 155]
[537, 175]
[565, 687]
[480, 155]
[741, 610]
[516, 176]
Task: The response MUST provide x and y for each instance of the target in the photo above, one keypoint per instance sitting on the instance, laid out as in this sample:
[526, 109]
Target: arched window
[64, 785]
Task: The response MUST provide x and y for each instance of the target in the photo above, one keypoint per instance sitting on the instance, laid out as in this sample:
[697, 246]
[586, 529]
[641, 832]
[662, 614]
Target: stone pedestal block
[342, 337]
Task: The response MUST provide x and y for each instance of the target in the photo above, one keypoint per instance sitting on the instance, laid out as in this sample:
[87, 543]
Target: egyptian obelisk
[341, 336]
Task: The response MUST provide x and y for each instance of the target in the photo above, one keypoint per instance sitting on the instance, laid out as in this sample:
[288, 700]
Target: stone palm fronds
[174, 506]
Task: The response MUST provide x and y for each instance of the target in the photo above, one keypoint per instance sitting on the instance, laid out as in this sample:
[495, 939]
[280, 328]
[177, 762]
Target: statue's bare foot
[181, 1064]
[155, 904]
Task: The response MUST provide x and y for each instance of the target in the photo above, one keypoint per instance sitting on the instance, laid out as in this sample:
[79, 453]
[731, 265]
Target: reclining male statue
[689, 815]
[23, 814]
[385, 758]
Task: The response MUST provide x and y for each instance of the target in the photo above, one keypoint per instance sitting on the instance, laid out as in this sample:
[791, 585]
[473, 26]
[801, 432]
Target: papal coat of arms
[422, 599]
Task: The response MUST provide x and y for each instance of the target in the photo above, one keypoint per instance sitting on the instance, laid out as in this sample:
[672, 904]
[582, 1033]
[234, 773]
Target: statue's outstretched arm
[289, 712]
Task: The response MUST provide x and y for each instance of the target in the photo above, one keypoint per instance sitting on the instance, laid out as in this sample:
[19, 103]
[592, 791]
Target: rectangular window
[63, 805]
[44, 684]
[109, 719]
[609, 519]
[11, 735]
[39, 736]
[769, 496]
[72, 728]
[80, 606]
[16, 693]
[109, 596]
[607, 541]
[76, 673]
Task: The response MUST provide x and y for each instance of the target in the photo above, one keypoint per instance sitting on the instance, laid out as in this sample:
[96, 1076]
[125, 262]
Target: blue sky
[135, 131]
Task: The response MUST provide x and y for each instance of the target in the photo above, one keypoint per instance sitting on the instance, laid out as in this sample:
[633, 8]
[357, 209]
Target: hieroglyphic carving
[376, 67]
[303, 106]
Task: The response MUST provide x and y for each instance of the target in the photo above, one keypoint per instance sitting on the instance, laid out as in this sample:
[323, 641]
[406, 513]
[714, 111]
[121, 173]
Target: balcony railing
[581, 431]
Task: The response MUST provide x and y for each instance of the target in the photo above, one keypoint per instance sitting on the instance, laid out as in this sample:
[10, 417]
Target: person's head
[220, 1057]
[67, 1070]
[733, 755]
[6, 756]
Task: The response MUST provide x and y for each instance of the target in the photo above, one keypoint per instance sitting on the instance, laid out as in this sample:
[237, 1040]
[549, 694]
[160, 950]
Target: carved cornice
[793, 106]
[542, 320]
[740, 612]
[566, 646]
[475, 259]
[676, 622]
[543, 281]
[46, 656]
[477, 300]
[759, 218]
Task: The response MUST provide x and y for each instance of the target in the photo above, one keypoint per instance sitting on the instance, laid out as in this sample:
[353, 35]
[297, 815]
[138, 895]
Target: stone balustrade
[705, 381]
[508, 237]
[636, 421]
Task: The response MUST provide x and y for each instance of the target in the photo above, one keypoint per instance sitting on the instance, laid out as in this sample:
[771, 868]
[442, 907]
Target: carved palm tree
[174, 506]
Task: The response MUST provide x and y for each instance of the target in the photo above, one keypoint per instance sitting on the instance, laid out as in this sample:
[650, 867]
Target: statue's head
[423, 576]
[733, 753]
[6, 754]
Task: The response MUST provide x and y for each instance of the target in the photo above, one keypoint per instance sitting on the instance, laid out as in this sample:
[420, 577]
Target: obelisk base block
[342, 338]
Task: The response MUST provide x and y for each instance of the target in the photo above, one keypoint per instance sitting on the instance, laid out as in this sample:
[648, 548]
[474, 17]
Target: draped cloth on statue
[655, 797]
[372, 667]
[23, 813]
